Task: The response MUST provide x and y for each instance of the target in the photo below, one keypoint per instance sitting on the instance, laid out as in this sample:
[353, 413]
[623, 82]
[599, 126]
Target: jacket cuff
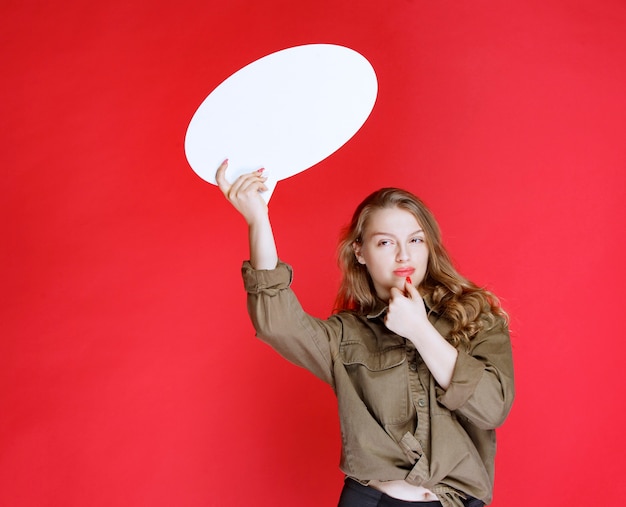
[467, 374]
[268, 281]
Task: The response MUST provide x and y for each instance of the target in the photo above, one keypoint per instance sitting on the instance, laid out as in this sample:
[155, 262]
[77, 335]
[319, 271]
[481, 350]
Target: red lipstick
[404, 272]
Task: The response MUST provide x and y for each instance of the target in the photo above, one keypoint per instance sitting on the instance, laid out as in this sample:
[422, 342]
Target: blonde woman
[418, 356]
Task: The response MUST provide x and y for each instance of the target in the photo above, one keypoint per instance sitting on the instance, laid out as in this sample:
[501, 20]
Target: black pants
[355, 494]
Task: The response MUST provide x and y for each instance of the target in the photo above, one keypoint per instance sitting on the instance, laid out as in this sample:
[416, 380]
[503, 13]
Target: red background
[129, 374]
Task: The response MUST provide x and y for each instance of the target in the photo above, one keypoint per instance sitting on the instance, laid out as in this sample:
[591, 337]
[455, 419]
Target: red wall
[129, 373]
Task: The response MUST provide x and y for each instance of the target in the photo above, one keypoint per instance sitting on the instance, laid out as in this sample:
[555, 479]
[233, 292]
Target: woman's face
[393, 247]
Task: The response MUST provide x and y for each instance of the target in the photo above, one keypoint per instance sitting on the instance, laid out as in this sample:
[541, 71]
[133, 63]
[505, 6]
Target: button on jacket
[396, 422]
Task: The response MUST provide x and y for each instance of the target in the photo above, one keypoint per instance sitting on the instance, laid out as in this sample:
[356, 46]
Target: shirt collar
[380, 308]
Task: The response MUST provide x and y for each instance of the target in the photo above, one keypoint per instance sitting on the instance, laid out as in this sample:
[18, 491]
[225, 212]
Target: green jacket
[396, 422]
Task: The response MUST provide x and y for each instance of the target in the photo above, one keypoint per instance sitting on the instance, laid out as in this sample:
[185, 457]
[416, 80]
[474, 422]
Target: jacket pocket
[354, 352]
[380, 380]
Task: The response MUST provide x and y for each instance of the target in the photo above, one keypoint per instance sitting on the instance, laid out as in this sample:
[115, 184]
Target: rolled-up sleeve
[482, 386]
[267, 281]
[280, 321]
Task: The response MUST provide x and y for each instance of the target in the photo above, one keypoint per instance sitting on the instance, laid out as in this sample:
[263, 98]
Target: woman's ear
[356, 248]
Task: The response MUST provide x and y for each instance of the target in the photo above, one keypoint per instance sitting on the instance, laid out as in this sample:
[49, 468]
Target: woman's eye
[384, 242]
[417, 240]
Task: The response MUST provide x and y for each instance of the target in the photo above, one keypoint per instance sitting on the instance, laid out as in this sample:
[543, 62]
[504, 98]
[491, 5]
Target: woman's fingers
[253, 181]
[248, 184]
[411, 290]
[220, 177]
[244, 192]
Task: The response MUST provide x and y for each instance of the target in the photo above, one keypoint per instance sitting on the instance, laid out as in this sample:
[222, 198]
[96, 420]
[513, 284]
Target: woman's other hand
[406, 314]
[407, 317]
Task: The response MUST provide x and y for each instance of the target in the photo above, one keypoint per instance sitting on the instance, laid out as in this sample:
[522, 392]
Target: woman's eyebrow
[382, 233]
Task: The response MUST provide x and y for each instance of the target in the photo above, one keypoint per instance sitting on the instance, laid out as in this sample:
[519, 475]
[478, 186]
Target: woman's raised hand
[244, 193]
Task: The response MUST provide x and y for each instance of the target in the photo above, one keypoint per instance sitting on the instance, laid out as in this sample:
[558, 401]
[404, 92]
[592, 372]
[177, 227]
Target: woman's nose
[402, 254]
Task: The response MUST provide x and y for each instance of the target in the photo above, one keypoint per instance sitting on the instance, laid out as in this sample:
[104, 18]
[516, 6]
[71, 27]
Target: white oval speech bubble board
[284, 112]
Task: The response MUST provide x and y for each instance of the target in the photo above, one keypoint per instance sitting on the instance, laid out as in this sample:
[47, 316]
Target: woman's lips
[404, 272]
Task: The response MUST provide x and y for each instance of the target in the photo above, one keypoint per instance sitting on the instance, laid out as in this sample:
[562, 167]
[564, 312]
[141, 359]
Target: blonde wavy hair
[468, 307]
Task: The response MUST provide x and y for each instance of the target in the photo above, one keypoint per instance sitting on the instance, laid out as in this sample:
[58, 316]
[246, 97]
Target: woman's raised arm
[245, 195]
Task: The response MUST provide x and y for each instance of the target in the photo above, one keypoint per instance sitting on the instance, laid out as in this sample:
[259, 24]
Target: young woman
[418, 357]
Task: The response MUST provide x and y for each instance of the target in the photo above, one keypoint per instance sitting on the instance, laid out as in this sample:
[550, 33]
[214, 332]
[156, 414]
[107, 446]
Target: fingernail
[408, 280]
[261, 170]
[225, 160]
